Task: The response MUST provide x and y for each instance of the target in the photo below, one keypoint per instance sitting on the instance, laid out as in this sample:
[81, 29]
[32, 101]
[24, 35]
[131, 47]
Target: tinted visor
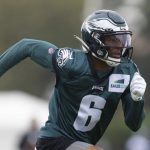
[117, 40]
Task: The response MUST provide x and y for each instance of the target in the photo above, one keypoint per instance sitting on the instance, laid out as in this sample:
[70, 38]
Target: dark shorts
[53, 143]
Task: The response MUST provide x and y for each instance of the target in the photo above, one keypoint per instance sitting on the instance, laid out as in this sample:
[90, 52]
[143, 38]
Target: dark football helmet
[106, 35]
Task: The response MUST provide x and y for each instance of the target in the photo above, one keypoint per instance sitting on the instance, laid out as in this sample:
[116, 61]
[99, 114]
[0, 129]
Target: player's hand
[95, 148]
[137, 87]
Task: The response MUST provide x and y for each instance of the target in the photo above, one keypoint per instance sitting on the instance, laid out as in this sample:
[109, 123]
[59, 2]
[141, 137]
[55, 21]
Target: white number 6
[89, 112]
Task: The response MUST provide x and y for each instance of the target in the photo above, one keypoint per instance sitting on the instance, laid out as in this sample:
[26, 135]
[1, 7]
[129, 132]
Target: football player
[89, 82]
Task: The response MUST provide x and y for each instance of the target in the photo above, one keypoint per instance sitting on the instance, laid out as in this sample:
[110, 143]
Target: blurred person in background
[137, 142]
[89, 82]
[29, 138]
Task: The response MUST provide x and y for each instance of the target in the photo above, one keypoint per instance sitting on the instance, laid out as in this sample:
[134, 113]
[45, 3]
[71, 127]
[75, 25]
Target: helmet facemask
[111, 46]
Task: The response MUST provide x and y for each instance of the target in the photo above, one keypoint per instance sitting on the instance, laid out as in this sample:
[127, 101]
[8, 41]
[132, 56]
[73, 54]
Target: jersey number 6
[89, 112]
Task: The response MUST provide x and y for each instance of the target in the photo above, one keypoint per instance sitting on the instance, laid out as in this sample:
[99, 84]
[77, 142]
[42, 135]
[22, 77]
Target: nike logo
[96, 87]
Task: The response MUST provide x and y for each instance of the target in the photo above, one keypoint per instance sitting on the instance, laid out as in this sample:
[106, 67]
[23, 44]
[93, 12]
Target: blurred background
[25, 89]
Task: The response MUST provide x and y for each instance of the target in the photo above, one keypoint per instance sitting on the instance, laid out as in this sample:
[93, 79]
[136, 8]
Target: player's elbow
[24, 43]
[134, 126]
[134, 122]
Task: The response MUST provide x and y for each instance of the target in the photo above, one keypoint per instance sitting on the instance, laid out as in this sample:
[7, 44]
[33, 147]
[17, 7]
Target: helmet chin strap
[85, 46]
[113, 62]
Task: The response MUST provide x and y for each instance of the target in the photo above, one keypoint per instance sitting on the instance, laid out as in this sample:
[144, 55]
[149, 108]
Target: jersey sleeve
[39, 51]
[133, 111]
[69, 62]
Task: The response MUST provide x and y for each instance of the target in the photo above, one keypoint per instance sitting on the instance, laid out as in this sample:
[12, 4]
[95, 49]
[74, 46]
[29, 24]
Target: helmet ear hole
[93, 47]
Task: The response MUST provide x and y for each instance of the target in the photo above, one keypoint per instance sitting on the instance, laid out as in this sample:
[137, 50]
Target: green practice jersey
[81, 108]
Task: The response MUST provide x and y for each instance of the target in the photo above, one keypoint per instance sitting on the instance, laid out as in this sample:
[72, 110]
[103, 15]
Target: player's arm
[133, 102]
[39, 51]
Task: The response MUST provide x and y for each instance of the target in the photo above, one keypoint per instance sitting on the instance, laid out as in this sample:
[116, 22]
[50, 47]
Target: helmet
[106, 36]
